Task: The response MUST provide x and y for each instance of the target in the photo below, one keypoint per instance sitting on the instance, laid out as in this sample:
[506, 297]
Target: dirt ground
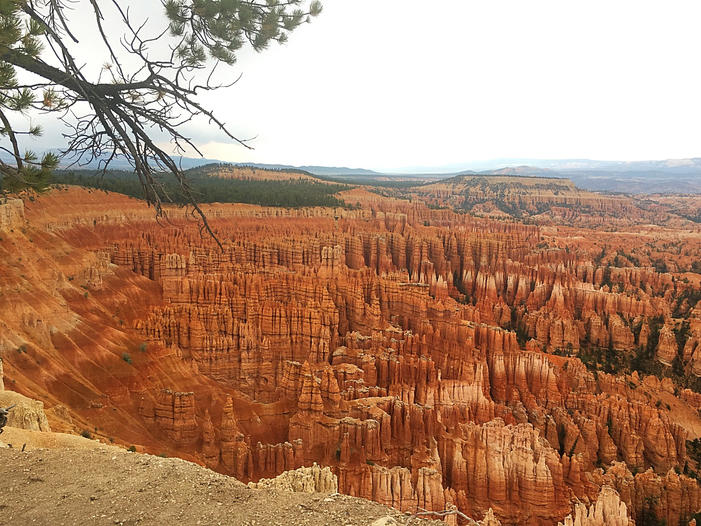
[106, 485]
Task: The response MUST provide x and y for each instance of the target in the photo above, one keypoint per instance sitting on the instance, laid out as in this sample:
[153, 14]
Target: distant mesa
[253, 173]
[629, 177]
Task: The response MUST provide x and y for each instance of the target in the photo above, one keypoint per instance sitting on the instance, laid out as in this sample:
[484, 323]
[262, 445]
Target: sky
[401, 85]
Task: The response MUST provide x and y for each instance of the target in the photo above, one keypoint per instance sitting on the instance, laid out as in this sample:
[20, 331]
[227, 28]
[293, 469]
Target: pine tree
[27, 171]
[138, 90]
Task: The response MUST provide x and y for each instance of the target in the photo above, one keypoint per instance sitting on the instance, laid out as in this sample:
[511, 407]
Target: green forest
[207, 189]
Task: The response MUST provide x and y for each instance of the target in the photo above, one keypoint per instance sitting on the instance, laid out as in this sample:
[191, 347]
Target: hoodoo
[423, 367]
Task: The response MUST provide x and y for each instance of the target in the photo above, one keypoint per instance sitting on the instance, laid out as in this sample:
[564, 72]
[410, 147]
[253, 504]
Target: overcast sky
[400, 84]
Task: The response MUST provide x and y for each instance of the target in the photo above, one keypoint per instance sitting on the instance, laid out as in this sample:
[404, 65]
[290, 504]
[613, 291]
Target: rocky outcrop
[490, 519]
[11, 214]
[27, 413]
[525, 475]
[314, 479]
[668, 497]
[607, 510]
[666, 345]
[173, 413]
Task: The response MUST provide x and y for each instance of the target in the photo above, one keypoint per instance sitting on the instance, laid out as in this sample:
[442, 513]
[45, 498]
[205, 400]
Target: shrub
[126, 357]
[86, 434]
[132, 449]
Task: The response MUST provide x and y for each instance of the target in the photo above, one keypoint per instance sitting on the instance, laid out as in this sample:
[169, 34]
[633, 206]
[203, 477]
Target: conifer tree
[139, 90]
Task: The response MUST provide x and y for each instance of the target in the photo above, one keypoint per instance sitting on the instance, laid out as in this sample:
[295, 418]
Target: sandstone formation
[27, 413]
[490, 519]
[11, 214]
[427, 359]
[608, 510]
[307, 480]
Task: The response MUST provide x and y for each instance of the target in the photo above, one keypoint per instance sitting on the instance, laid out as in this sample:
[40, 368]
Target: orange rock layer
[404, 347]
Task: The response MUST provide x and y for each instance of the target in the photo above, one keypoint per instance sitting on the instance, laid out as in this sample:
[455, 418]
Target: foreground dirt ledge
[105, 485]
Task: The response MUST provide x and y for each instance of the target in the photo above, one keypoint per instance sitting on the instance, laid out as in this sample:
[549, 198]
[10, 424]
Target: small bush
[143, 346]
[86, 434]
[126, 357]
[132, 449]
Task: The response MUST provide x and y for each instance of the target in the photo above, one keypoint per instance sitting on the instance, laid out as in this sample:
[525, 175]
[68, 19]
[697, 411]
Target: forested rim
[206, 189]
